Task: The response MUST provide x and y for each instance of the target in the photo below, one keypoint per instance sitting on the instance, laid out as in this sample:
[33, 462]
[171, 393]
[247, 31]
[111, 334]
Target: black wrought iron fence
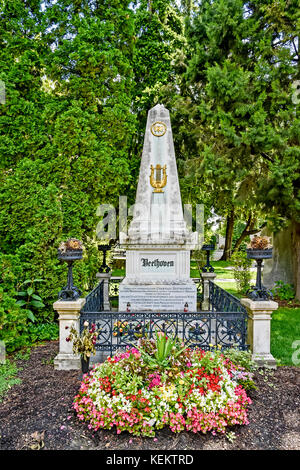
[94, 301]
[224, 326]
[114, 284]
[205, 330]
[222, 301]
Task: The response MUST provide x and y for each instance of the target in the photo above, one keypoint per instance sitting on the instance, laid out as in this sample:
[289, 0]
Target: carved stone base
[265, 360]
[67, 362]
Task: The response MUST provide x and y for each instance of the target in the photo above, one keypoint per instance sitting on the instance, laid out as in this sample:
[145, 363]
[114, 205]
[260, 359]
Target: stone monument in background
[158, 242]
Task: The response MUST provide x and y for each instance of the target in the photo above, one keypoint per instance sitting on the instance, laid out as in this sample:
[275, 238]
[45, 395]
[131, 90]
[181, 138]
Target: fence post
[68, 315]
[259, 330]
[106, 278]
[206, 277]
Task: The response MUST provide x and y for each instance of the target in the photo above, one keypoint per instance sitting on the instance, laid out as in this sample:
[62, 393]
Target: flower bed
[145, 389]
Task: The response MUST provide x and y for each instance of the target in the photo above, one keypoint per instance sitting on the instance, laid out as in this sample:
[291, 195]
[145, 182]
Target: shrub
[13, 323]
[29, 299]
[43, 332]
[241, 271]
[8, 372]
[283, 291]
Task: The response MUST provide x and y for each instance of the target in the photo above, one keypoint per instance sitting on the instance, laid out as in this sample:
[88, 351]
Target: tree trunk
[248, 230]
[228, 238]
[245, 232]
[296, 260]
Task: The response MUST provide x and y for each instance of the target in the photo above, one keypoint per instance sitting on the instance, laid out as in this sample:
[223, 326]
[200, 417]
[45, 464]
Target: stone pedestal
[259, 330]
[69, 315]
[206, 277]
[106, 278]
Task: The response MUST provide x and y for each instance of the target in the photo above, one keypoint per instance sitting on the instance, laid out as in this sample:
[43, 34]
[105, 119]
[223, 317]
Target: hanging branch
[248, 230]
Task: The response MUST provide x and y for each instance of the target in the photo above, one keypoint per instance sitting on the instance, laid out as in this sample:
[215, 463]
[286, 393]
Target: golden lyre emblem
[158, 129]
[160, 180]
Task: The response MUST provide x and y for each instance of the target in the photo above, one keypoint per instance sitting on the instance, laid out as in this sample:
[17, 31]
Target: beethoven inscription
[154, 264]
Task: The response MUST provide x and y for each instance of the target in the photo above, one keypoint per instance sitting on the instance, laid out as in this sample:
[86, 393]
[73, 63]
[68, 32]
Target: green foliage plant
[283, 291]
[43, 332]
[29, 299]
[164, 346]
[241, 271]
[8, 372]
[13, 322]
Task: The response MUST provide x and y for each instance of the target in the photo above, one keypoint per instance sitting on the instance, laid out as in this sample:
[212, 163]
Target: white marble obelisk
[158, 243]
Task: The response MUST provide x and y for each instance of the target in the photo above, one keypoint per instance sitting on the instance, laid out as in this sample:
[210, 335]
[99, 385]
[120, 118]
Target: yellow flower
[181, 382]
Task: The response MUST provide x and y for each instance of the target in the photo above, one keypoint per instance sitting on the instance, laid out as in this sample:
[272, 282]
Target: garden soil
[37, 414]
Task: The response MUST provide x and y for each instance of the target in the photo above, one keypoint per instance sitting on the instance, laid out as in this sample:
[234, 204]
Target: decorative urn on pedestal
[259, 249]
[70, 251]
[104, 268]
[208, 268]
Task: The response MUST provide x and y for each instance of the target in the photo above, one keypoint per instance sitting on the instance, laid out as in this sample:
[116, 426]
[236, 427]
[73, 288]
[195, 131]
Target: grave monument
[158, 242]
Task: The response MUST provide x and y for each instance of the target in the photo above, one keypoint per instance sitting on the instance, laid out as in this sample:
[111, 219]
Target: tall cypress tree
[69, 98]
[241, 61]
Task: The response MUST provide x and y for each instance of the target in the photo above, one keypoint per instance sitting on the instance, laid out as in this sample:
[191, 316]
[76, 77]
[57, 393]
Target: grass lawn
[229, 287]
[118, 272]
[285, 332]
[218, 266]
[8, 372]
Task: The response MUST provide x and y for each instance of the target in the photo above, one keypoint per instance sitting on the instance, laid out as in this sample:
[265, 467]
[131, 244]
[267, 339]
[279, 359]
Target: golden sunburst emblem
[158, 129]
